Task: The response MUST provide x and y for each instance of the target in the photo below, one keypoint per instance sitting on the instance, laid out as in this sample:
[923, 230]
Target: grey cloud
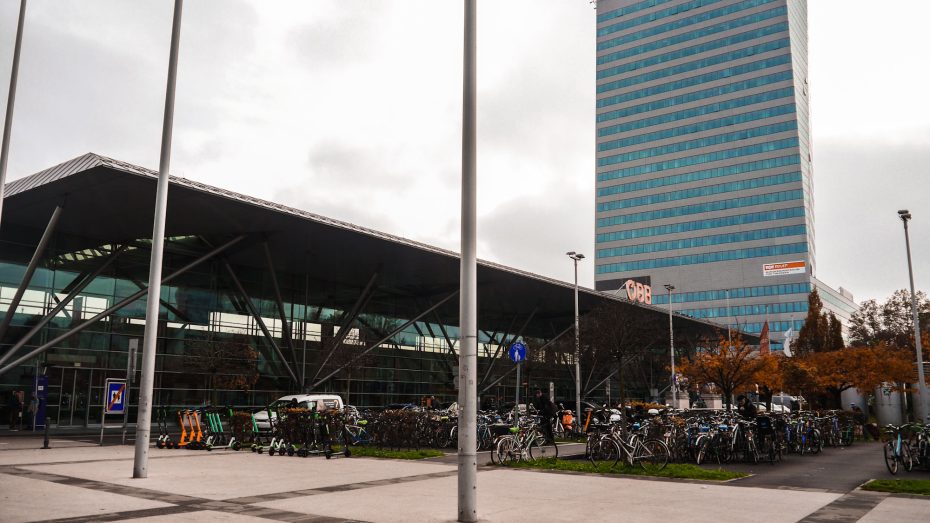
[80, 96]
[105, 93]
[343, 39]
[858, 188]
[534, 234]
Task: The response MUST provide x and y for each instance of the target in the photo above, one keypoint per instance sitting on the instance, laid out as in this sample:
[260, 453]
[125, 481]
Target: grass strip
[375, 452]
[672, 470]
[900, 486]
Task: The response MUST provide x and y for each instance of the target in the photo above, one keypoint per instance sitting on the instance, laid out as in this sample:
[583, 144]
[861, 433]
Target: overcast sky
[352, 109]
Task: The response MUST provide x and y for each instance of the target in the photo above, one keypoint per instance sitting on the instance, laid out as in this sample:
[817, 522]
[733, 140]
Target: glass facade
[697, 111]
[694, 66]
[687, 161]
[719, 205]
[755, 183]
[727, 221]
[727, 294]
[729, 72]
[704, 241]
[707, 257]
[697, 100]
[211, 349]
[697, 176]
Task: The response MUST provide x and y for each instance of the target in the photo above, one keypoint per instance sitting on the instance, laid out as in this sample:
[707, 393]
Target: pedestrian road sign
[115, 399]
[518, 352]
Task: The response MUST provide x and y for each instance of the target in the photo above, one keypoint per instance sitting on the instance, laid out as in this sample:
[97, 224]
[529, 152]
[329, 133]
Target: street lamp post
[575, 257]
[671, 338]
[921, 384]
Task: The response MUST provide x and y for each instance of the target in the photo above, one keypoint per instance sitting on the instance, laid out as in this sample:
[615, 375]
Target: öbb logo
[638, 292]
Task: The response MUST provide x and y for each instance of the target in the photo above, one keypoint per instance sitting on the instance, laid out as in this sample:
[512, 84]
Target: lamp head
[570, 253]
[904, 214]
[669, 287]
[580, 256]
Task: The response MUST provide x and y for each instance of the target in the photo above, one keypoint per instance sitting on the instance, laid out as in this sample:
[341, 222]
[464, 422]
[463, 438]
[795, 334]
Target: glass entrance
[73, 393]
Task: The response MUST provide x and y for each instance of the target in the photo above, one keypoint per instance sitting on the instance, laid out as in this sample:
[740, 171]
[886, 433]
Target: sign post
[517, 355]
[114, 401]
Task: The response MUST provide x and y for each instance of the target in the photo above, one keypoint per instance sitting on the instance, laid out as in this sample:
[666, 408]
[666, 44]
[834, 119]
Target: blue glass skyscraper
[704, 177]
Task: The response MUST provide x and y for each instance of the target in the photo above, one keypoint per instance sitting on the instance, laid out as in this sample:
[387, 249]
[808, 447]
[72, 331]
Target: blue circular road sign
[518, 352]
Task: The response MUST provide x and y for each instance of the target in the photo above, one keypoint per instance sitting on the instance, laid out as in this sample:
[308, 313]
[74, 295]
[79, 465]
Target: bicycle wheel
[891, 461]
[507, 450]
[752, 453]
[906, 459]
[816, 442]
[604, 454]
[541, 449]
[494, 458]
[652, 455]
[769, 444]
[702, 452]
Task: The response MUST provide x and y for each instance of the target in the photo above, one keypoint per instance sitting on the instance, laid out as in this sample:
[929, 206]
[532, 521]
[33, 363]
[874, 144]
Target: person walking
[546, 411]
[16, 410]
[745, 408]
[861, 421]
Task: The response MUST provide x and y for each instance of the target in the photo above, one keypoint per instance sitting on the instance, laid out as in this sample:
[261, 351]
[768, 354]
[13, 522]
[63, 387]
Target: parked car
[304, 401]
[776, 408]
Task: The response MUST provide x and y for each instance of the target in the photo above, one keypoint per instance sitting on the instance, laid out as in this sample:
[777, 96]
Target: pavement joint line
[249, 500]
[617, 476]
[104, 460]
[180, 503]
[848, 508]
[113, 488]
[126, 514]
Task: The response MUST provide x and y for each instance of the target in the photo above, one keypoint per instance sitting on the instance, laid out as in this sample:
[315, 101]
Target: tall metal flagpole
[11, 98]
[918, 346]
[144, 420]
[671, 347]
[468, 309]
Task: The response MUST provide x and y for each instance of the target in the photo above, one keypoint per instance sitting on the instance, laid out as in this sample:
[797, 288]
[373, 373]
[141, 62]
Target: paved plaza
[79, 481]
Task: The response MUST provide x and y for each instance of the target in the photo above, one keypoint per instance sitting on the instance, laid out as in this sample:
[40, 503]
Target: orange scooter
[194, 439]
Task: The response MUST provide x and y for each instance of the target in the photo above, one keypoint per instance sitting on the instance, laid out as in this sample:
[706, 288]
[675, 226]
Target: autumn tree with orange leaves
[732, 366]
[864, 368]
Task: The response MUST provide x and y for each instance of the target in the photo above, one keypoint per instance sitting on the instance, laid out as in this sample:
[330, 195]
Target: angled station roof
[107, 201]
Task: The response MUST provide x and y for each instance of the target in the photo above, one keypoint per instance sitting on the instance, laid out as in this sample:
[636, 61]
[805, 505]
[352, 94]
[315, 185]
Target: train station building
[258, 300]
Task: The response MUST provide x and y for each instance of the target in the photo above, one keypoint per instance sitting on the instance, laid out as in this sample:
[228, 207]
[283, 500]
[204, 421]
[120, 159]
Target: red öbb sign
[638, 292]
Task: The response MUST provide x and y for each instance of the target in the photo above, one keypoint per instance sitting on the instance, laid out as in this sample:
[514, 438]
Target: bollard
[45, 441]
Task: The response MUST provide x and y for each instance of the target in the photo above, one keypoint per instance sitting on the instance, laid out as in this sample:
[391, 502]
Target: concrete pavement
[90, 483]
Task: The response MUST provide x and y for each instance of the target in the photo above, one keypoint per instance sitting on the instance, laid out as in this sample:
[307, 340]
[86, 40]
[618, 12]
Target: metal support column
[162, 302]
[126, 301]
[502, 376]
[81, 285]
[285, 325]
[261, 323]
[345, 322]
[30, 270]
[515, 337]
[594, 388]
[10, 101]
[386, 337]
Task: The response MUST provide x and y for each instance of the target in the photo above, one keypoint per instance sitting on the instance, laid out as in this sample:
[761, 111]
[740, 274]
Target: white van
[304, 401]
